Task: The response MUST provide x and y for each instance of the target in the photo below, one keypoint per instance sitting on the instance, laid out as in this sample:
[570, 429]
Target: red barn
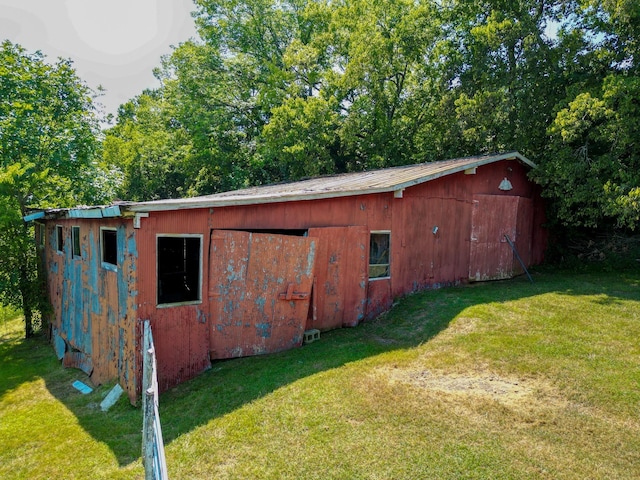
[250, 271]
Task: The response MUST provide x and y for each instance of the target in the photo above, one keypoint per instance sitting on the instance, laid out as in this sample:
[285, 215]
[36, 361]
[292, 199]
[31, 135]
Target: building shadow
[230, 384]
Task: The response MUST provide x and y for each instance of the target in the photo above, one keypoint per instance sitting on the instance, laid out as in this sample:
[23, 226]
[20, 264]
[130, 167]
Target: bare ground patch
[531, 401]
[476, 384]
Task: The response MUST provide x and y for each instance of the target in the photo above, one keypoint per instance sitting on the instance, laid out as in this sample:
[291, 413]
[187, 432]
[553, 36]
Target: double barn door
[266, 289]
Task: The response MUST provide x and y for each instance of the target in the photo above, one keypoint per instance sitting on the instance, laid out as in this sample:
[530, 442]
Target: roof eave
[105, 211]
[467, 166]
[186, 204]
[243, 201]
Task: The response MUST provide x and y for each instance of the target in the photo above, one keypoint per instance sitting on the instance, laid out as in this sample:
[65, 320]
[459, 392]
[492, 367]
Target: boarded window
[109, 244]
[40, 234]
[59, 239]
[379, 254]
[75, 241]
[179, 269]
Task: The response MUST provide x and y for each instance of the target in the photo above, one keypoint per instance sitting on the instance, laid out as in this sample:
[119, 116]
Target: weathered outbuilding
[249, 271]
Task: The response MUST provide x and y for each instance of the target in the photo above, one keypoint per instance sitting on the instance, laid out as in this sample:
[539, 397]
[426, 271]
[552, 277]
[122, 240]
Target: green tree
[148, 149]
[48, 146]
[504, 74]
[383, 70]
[300, 139]
[279, 90]
[592, 171]
[590, 168]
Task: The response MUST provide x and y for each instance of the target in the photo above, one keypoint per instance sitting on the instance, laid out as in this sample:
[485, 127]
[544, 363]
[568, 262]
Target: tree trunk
[27, 304]
[25, 281]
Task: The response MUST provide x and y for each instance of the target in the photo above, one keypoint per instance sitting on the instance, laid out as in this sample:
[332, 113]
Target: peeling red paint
[259, 297]
[260, 291]
[341, 277]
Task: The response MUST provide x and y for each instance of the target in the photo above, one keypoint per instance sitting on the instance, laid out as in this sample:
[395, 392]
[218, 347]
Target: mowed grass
[499, 380]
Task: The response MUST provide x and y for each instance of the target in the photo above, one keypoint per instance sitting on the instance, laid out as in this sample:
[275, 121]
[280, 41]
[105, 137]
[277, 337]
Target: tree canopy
[49, 156]
[281, 90]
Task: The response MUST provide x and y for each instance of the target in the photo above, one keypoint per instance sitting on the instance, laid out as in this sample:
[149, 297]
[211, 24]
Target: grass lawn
[499, 380]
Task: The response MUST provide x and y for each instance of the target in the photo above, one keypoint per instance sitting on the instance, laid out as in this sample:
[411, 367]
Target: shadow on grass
[413, 321]
[27, 360]
[21, 360]
[230, 384]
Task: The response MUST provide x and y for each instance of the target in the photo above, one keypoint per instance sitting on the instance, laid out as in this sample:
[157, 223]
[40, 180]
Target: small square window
[109, 247]
[75, 241]
[59, 239]
[179, 269]
[379, 254]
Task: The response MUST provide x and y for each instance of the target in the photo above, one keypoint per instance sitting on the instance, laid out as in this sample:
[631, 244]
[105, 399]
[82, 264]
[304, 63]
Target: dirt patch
[462, 384]
[384, 341]
[481, 384]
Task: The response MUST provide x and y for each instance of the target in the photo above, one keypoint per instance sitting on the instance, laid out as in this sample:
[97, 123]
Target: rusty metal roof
[394, 179]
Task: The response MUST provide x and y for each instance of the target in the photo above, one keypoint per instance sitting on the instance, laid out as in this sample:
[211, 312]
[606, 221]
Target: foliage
[150, 156]
[594, 156]
[48, 157]
[281, 90]
[583, 250]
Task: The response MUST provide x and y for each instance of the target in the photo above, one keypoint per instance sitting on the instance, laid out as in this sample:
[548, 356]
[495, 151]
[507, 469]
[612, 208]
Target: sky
[112, 43]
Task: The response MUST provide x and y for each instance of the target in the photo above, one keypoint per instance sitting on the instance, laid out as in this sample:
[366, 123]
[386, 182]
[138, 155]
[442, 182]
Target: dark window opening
[110, 247]
[178, 269]
[40, 234]
[59, 239]
[379, 251]
[75, 239]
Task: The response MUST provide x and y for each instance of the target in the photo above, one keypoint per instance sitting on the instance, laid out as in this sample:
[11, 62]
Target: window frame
[388, 264]
[40, 234]
[198, 300]
[59, 232]
[75, 238]
[105, 264]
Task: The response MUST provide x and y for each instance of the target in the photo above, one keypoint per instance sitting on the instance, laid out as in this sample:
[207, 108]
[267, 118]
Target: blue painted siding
[95, 323]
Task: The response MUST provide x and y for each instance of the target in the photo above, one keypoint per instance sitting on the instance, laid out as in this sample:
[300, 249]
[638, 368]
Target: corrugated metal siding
[419, 259]
[260, 300]
[94, 323]
[524, 237]
[493, 217]
[340, 287]
[180, 332]
[428, 259]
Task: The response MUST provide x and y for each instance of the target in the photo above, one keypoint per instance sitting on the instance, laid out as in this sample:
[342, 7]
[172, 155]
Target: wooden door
[524, 233]
[492, 217]
[340, 285]
[259, 292]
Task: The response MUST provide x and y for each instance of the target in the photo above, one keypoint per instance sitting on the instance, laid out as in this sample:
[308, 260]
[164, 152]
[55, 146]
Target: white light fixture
[505, 184]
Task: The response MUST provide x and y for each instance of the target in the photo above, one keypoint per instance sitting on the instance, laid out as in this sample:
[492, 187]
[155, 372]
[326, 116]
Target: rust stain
[246, 317]
[341, 269]
[92, 302]
[98, 311]
[491, 257]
